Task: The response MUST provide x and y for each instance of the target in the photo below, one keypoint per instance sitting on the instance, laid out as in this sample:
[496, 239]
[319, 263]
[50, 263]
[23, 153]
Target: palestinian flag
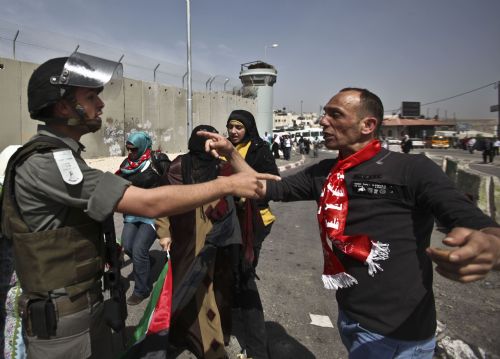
[150, 338]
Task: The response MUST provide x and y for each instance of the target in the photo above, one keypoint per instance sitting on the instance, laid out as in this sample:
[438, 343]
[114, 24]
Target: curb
[292, 165]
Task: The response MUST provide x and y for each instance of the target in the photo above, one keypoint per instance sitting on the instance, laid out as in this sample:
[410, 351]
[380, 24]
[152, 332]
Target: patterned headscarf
[143, 143]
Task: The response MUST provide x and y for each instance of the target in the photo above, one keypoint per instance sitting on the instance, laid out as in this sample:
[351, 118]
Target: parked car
[393, 144]
[417, 142]
[440, 142]
[393, 141]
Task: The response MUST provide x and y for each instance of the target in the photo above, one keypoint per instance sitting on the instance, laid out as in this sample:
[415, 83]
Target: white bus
[312, 134]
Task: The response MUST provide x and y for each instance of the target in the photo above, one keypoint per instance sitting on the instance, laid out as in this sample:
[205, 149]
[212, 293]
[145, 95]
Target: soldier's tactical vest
[69, 257]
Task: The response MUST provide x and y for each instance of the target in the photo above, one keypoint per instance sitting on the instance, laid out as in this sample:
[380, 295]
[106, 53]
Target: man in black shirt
[376, 211]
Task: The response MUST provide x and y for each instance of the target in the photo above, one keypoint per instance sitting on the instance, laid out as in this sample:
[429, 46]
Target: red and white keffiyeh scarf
[332, 215]
[130, 166]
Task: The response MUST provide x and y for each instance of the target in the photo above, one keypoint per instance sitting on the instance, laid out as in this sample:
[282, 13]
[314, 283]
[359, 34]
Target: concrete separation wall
[483, 189]
[141, 106]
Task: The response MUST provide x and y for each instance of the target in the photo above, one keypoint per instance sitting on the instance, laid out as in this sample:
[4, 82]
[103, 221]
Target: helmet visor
[82, 70]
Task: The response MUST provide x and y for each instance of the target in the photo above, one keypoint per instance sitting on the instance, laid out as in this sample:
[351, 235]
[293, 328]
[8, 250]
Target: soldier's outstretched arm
[171, 200]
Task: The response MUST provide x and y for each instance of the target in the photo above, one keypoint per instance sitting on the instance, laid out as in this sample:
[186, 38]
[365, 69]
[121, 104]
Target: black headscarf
[197, 165]
[247, 119]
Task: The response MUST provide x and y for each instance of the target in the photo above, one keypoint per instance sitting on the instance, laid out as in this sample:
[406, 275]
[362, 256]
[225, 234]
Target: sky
[402, 50]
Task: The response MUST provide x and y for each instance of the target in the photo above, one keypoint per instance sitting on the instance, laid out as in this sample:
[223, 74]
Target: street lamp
[265, 49]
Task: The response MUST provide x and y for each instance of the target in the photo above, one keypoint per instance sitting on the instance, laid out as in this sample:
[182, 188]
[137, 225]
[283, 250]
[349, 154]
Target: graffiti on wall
[113, 136]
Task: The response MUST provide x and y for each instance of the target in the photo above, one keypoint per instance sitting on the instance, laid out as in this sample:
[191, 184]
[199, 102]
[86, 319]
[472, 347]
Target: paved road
[290, 270]
[474, 160]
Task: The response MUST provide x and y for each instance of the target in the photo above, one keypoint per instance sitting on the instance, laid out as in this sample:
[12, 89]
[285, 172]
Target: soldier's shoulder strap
[38, 144]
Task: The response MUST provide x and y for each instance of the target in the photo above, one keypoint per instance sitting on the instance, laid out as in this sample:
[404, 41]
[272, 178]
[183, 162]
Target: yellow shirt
[266, 214]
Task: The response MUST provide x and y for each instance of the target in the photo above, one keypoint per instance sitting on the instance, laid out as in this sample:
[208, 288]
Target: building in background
[283, 119]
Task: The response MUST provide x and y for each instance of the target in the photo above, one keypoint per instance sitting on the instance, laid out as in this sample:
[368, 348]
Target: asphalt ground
[290, 285]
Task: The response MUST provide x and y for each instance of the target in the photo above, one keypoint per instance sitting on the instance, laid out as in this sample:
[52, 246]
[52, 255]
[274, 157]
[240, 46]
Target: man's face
[341, 125]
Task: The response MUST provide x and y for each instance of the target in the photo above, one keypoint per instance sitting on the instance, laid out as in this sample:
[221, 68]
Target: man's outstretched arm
[473, 255]
[219, 146]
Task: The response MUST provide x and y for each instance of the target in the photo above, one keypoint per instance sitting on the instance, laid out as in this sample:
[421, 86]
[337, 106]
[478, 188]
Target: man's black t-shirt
[393, 198]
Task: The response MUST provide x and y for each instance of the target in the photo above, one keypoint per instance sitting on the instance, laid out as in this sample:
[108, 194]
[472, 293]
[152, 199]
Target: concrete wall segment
[10, 98]
[28, 125]
[484, 190]
[166, 119]
[159, 110]
[180, 121]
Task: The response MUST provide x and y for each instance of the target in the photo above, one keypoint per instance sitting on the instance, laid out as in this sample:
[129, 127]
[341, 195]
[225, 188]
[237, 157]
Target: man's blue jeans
[137, 238]
[363, 344]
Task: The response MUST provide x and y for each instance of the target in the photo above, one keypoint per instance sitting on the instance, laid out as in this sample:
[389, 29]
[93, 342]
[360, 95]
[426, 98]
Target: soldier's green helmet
[52, 79]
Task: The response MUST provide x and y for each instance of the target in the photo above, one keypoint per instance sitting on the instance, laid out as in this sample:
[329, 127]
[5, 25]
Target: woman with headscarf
[256, 221]
[139, 233]
[201, 242]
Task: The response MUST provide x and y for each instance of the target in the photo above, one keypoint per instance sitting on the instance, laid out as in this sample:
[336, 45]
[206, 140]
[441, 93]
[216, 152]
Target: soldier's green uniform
[52, 208]
[61, 256]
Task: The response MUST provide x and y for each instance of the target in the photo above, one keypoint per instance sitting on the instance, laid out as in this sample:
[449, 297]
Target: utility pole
[189, 100]
[496, 108]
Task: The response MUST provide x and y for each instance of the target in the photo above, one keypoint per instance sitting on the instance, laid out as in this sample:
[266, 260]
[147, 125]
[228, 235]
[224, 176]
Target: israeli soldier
[54, 207]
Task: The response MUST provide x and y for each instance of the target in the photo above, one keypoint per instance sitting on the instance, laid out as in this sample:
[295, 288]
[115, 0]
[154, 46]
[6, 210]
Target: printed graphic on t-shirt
[374, 189]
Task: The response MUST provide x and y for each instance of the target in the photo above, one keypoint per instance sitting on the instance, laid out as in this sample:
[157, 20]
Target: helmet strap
[91, 125]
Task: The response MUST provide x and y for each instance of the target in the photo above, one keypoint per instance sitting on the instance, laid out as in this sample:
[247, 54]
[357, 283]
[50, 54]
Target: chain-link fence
[25, 44]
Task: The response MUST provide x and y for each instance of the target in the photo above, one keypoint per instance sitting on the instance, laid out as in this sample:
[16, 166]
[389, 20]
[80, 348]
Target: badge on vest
[68, 167]
[373, 189]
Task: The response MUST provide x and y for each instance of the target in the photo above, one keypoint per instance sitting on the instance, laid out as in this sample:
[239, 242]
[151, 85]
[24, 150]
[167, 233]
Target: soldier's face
[87, 109]
[88, 100]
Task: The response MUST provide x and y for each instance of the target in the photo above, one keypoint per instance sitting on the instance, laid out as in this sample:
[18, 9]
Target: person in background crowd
[276, 146]
[307, 145]
[496, 146]
[287, 147]
[268, 138]
[256, 221]
[471, 144]
[301, 145]
[485, 145]
[406, 144]
[376, 212]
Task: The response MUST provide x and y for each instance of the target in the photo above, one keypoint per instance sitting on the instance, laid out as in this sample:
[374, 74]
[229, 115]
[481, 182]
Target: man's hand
[474, 255]
[216, 144]
[247, 185]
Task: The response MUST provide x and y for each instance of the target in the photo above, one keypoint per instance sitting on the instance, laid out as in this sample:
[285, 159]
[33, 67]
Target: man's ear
[368, 125]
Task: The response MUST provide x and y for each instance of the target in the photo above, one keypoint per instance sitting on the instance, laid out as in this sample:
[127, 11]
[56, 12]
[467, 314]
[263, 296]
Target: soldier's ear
[62, 109]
